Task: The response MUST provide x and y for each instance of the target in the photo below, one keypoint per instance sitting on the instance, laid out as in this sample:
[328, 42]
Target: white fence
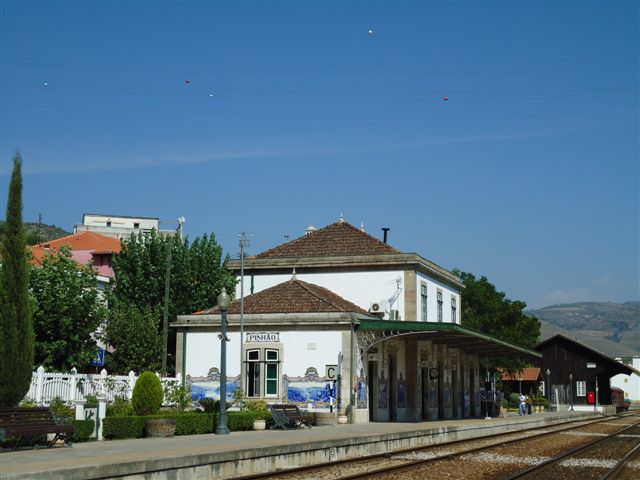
[74, 386]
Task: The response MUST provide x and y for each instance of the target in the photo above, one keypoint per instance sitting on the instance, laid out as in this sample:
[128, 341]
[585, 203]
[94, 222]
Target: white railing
[45, 386]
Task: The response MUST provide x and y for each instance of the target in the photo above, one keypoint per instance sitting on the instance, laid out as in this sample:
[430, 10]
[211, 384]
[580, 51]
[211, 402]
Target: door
[440, 392]
[372, 375]
[392, 389]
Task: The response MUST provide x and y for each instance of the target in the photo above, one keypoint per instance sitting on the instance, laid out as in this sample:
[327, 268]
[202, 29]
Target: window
[423, 301]
[108, 223]
[542, 388]
[439, 306]
[581, 389]
[271, 374]
[454, 307]
[253, 373]
[136, 225]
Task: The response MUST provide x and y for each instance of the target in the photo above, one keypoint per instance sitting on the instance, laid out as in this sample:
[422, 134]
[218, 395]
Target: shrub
[121, 407]
[84, 429]
[178, 395]
[242, 420]
[147, 394]
[92, 401]
[60, 411]
[193, 423]
[28, 403]
[123, 427]
[259, 408]
[208, 405]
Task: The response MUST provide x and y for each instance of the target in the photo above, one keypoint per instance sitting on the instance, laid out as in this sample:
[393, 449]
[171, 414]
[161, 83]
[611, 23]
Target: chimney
[385, 231]
[310, 229]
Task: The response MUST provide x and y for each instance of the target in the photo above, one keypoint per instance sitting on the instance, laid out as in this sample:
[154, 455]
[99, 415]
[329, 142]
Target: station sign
[331, 372]
[263, 337]
[591, 365]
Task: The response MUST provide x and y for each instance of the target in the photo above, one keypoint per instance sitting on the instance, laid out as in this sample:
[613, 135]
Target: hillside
[611, 328]
[47, 232]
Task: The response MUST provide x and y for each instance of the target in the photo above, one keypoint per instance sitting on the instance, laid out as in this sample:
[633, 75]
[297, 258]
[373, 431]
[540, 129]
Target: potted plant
[261, 413]
[147, 400]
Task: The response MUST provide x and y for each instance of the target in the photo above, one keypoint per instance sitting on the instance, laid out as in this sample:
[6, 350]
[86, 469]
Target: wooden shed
[573, 372]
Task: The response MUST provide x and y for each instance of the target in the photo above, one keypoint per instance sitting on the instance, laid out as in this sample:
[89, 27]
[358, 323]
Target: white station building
[340, 304]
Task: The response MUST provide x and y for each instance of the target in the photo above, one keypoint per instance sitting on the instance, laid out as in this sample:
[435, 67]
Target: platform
[245, 453]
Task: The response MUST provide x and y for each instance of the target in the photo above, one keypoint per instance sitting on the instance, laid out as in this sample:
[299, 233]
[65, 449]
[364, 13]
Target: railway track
[426, 462]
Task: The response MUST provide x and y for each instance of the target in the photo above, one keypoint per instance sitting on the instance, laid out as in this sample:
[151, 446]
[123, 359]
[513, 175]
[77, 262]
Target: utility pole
[167, 278]
[244, 243]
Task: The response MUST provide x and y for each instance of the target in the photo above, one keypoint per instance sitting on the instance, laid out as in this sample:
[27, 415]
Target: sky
[500, 138]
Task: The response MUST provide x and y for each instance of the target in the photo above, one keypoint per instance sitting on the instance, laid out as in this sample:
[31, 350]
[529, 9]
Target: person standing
[523, 405]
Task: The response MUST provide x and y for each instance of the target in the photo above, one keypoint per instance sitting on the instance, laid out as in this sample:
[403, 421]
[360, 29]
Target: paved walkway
[94, 458]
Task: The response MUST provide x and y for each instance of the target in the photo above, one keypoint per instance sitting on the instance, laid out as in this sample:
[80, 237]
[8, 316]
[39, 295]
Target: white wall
[361, 288]
[630, 384]
[432, 299]
[121, 222]
[203, 352]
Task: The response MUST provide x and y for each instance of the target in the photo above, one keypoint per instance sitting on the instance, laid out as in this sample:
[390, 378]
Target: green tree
[487, 310]
[198, 273]
[16, 328]
[134, 335]
[68, 311]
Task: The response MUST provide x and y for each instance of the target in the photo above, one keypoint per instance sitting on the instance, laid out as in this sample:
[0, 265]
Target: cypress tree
[16, 327]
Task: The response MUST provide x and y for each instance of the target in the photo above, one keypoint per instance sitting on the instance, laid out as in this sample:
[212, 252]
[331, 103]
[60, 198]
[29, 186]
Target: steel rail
[562, 456]
[615, 471]
[320, 466]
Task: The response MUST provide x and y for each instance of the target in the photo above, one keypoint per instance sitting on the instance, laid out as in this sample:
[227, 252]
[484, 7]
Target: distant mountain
[611, 328]
[39, 232]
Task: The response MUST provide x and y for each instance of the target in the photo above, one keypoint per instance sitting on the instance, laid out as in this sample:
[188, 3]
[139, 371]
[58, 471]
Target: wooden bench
[27, 424]
[287, 416]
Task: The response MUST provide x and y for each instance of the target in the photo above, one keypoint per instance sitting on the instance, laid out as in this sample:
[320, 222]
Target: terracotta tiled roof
[528, 374]
[294, 296]
[89, 241]
[340, 238]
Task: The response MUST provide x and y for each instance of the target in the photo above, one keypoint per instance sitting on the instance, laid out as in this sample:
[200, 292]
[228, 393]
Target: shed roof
[454, 336]
[527, 374]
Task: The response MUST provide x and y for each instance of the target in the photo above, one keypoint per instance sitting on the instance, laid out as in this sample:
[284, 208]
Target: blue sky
[528, 174]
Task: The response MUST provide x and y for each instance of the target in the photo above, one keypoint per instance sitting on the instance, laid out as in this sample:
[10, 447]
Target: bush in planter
[177, 395]
[147, 394]
[258, 407]
[242, 420]
[61, 412]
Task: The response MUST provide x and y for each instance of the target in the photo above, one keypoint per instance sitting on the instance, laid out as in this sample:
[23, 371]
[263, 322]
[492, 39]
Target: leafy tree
[198, 273]
[487, 310]
[68, 310]
[134, 335]
[16, 327]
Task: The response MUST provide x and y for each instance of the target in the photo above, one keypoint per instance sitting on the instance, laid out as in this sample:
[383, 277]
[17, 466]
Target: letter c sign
[331, 372]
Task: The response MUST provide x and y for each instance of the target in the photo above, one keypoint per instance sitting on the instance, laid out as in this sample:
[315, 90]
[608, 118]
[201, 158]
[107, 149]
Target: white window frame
[424, 297]
[440, 306]
[253, 380]
[267, 362]
[581, 388]
[454, 310]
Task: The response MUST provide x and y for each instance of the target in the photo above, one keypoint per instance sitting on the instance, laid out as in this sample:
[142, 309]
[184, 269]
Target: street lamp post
[571, 391]
[520, 387]
[223, 302]
[548, 390]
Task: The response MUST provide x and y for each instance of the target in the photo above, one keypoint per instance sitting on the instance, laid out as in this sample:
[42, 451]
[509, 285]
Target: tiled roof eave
[399, 260]
[291, 320]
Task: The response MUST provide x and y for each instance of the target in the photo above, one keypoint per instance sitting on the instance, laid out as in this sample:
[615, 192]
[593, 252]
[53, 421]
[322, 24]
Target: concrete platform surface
[176, 457]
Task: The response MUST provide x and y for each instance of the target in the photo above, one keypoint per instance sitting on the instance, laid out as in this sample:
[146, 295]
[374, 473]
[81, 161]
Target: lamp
[223, 302]
[548, 389]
